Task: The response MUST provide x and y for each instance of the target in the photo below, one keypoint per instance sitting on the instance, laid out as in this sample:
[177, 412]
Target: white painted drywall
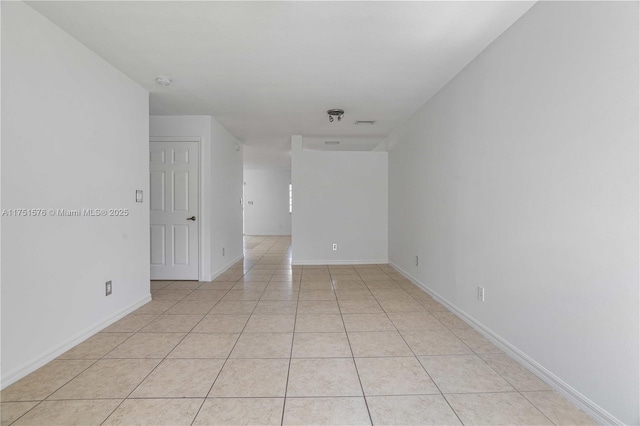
[226, 199]
[338, 197]
[74, 136]
[266, 202]
[220, 187]
[521, 175]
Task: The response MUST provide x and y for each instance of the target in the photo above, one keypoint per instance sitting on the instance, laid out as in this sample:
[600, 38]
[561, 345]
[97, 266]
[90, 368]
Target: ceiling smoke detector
[164, 81]
[335, 113]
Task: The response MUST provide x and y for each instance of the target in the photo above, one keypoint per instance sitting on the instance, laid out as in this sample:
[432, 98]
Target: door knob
[192, 218]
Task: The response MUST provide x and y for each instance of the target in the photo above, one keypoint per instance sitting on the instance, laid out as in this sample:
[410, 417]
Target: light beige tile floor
[270, 344]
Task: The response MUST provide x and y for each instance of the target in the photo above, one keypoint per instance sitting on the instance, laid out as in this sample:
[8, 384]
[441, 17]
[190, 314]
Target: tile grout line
[475, 353]
[353, 358]
[423, 367]
[60, 387]
[513, 386]
[164, 358]
[230, 352]
[273, 265]
[26, 412]
[386, 314]
[103, 357]
[274, 397]
[293, 335]
[95, 361]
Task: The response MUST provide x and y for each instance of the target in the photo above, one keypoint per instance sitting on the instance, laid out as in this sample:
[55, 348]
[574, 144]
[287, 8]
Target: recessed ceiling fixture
[164, 81]
[365, 122]
[332, 142]
[335, 113]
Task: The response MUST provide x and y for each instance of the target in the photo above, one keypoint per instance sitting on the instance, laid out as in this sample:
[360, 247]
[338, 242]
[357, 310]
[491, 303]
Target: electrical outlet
[481, 294]
[417, 260]
[223, 251]
[108, 288]
[334, 246]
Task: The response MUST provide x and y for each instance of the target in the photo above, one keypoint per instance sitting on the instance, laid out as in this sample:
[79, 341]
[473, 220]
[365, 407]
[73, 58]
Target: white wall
[521, 175]
[268, 192]
[74, 136]
[338, 197]
[220, 188]
[226, 197]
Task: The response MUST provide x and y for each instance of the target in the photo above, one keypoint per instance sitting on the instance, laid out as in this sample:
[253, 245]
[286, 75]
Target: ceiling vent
[365, 122]
[332, 142]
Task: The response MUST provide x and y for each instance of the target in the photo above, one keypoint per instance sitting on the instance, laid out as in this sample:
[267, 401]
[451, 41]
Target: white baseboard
[600, 415]
[223, 269]
[339, 262]
[29, 367]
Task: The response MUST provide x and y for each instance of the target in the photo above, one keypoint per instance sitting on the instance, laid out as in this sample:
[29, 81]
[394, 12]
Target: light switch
[138, 195]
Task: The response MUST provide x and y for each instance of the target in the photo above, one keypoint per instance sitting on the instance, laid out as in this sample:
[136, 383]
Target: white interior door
[174, 210]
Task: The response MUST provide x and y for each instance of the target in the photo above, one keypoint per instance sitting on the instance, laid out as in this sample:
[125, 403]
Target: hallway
[268, 343]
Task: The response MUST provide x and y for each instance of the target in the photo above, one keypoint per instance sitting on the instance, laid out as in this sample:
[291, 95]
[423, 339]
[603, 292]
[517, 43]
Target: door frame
[201, 209]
